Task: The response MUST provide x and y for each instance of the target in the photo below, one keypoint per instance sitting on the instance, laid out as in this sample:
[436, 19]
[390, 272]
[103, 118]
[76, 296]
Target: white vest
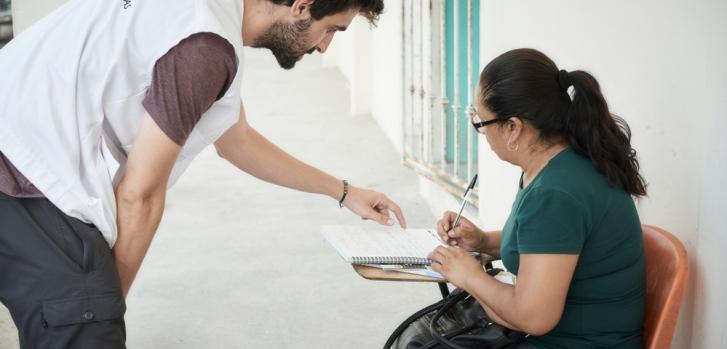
[71, 88]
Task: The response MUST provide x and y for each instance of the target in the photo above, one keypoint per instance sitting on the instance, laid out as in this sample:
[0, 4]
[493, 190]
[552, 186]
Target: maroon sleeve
[187, 80]
[13, 183]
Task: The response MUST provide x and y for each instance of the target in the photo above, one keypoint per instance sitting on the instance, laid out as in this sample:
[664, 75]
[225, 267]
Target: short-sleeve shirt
[570, 208]
[186, 81]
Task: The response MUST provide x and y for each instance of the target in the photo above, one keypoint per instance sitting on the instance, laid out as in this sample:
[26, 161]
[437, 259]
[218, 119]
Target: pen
[464, 200]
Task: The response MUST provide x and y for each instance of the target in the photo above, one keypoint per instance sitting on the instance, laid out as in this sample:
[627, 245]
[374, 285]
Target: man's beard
[286, 42]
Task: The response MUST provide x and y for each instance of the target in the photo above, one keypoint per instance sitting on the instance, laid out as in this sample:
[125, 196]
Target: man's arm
[249, 151]
[140, 198]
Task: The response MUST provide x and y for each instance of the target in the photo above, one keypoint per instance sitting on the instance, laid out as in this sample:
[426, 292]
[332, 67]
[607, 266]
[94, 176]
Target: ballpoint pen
[466, 196]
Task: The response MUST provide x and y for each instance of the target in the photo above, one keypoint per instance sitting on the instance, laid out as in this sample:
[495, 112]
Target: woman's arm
[534, 305]
[492, 243]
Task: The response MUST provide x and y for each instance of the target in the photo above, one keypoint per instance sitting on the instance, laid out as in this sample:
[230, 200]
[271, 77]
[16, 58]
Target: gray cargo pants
[58, 278]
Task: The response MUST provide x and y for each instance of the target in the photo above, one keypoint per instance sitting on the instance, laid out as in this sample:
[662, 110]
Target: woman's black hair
[526, 83]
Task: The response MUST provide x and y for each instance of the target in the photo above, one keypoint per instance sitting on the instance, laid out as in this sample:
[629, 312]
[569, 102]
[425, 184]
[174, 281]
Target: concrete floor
[238, 263]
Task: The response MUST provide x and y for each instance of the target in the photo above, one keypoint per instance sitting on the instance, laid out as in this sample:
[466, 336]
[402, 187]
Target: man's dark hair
[370, 9]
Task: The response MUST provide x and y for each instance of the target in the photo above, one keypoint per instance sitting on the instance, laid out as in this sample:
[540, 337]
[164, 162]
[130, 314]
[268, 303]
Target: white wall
[707, 274]
[661, 65]
[27, 12]
[350, 52]
[370, 58]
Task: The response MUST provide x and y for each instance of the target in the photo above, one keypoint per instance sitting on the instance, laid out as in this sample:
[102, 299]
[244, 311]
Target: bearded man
[103, 105]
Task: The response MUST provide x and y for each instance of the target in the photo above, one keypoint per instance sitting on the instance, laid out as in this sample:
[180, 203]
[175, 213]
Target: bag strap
[441, 337]
[400, 329]
[457, 333]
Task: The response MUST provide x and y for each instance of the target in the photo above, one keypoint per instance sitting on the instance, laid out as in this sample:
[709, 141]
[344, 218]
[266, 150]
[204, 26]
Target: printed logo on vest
[127, 4]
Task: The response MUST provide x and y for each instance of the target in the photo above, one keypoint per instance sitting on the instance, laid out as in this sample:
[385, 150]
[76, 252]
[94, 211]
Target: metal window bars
[427, 105]
[6, 23]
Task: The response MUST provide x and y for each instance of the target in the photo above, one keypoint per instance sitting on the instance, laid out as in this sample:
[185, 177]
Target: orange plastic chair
[667, 268]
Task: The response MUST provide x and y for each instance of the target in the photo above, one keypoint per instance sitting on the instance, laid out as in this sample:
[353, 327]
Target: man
[103, 104]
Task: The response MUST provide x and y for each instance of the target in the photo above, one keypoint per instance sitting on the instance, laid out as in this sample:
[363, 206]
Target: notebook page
[352, 241]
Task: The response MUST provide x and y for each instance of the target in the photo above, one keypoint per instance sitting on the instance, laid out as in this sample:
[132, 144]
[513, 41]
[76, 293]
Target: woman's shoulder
[575, 175]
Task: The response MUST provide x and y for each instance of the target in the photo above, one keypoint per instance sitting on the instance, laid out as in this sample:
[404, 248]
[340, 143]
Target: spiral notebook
[358, 245]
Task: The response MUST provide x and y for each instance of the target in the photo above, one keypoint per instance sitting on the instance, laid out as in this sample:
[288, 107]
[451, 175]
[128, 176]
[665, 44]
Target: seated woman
[573, 237]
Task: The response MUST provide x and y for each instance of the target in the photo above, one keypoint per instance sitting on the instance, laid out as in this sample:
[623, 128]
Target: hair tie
[564, 80]
[565, 83]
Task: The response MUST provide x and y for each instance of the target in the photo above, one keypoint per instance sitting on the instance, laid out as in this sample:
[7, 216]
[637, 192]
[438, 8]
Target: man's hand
[369, 204]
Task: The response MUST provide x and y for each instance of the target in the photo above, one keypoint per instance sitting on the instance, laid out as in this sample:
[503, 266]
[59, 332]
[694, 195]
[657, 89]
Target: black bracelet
[345, 192]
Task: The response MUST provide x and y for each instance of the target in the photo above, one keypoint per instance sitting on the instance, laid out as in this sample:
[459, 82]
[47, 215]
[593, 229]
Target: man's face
[289, 40]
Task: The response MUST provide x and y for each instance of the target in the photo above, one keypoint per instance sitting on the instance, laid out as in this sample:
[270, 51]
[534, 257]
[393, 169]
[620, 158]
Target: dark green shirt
[569, 208]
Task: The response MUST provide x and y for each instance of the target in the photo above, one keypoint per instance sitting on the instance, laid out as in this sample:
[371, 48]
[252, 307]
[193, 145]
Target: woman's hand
[466, 235]
[457, 265]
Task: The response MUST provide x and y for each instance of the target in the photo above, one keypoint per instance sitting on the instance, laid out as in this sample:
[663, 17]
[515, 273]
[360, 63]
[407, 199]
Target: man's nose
[323, 45]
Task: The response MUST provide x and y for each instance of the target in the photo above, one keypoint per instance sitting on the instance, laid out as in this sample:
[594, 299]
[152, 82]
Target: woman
[573, 237]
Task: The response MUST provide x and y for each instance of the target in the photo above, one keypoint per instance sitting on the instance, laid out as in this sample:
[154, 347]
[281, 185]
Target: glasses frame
[478, 124]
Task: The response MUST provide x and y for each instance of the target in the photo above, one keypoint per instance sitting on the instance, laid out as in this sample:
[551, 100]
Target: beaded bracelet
[345, 192]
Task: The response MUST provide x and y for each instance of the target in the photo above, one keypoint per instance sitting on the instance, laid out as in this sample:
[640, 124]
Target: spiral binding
[391, 260]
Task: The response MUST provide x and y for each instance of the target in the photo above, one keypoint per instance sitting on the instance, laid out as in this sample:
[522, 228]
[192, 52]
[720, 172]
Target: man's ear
[300, 9]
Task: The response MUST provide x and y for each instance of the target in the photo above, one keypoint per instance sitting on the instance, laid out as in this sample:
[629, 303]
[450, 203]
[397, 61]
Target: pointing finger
[383, 219]
[397, 212]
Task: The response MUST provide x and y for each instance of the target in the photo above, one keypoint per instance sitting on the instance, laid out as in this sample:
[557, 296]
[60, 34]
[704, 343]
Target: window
[441, 68]
[6, 23]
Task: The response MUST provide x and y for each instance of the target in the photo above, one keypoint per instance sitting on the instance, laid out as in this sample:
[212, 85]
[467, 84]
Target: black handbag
[455, 322]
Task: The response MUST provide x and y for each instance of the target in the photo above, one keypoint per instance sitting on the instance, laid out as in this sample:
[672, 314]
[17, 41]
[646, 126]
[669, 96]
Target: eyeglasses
[478, 124]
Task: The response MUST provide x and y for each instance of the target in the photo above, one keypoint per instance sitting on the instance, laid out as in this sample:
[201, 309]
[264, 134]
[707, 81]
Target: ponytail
[604, 138]
[526, 83]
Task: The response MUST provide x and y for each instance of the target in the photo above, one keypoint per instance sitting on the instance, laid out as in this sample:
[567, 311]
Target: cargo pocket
[83, 322]
[79, 310]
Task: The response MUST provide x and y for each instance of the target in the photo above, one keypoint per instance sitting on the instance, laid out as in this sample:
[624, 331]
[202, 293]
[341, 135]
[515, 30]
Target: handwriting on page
[359, 242]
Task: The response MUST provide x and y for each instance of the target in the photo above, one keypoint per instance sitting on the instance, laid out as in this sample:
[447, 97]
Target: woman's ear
[515, 127]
